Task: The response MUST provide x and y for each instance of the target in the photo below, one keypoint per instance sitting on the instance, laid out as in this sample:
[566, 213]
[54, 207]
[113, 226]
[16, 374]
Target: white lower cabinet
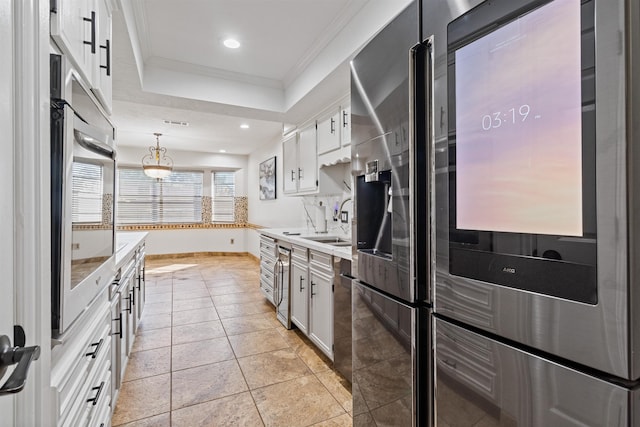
[321, 308]
[88, 361]
[312, 296]
[267, 263]
[299, 296]
[81, 369]
[126, 312]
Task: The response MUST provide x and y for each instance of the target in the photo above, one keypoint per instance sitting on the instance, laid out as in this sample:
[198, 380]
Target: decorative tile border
[147, 227]
[107, 208]
[206, 209]
[241, 209]
[141, 227]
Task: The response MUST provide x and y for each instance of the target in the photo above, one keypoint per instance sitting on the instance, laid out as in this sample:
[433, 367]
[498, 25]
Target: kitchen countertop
[126, 242]
[280, 234]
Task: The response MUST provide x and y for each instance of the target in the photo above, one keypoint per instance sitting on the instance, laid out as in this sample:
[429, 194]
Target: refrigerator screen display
[519, 126]
[522, 146]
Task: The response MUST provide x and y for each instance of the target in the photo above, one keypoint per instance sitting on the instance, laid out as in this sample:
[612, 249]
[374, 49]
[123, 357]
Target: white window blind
[224, 190]
[144, 200]
[86, 189]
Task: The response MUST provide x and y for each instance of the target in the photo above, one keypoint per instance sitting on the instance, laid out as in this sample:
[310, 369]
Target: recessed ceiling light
[223, 151]
[231, 43]
[244, 126]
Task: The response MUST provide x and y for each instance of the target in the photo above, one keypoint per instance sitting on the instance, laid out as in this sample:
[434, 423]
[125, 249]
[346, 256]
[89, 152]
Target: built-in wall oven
[82, 202]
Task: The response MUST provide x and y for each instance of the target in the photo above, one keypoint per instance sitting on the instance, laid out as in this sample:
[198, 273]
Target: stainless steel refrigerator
[390, 296]
[535, 137]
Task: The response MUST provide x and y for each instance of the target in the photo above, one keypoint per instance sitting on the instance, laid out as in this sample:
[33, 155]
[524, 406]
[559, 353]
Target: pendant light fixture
[157, 164]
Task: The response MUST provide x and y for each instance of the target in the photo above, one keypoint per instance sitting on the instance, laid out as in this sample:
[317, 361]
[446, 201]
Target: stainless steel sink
[330, 240]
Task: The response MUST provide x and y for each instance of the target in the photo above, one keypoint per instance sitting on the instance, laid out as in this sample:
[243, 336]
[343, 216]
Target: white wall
[196, 240]
[284, 211]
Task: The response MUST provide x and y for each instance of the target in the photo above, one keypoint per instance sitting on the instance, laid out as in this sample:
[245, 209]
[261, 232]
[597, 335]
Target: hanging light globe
[157, 164]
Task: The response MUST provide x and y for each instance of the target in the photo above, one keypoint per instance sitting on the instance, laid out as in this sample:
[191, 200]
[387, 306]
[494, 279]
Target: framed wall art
[268, 179]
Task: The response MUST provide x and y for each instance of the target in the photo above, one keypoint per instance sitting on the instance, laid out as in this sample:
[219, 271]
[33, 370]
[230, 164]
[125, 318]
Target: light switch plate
[344, 216]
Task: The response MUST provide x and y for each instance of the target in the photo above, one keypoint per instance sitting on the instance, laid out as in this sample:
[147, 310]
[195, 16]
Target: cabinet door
[125, 313]
[74, 29]
[329, 134]
[307, 160]
[102, 68]
[290, 164]
[116, 345]
[321, 311]
[299, 296]
[345, 128]
[140, 288]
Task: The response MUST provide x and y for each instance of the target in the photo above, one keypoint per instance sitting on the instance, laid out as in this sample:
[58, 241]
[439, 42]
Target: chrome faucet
[336, 215]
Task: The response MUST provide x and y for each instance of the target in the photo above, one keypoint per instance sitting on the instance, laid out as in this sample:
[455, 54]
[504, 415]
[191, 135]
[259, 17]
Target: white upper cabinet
[102, 82]
[307, 160]
[329, 134]
[345, 126]
[300, 162]
[82, 31]
[290, 164]
[334, 132]
[73, 27]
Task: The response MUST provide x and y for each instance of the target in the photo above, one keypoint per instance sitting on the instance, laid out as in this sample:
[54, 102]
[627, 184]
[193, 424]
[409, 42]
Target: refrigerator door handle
[421, 168]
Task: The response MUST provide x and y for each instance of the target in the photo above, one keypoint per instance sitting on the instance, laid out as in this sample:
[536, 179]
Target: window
[224, 189]
[144, 200]
[86, 188]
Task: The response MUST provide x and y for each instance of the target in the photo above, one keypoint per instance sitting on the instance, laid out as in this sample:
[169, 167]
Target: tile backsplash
[332, 214]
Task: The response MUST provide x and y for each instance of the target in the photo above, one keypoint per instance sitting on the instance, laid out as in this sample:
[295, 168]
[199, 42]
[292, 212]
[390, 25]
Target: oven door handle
[92, 138]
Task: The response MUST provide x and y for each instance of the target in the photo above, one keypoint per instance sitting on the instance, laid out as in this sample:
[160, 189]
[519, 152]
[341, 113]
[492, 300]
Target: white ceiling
[170, 64]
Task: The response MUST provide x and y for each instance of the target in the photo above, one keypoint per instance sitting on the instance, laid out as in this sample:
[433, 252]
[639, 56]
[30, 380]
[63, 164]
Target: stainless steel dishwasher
[282, 286]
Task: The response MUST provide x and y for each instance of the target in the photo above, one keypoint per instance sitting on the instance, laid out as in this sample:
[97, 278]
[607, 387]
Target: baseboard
[201, 254]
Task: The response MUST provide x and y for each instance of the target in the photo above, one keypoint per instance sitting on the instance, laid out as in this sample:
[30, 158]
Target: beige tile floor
[210, 352]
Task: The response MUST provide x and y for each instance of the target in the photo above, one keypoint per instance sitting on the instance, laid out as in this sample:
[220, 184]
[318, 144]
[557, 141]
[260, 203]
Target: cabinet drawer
[267, 290]
[266, 269]
[268, 260]
[94, 388]
[299, 253]
[321, 261]
[267, 246]
[101, 412]
[81, 358]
